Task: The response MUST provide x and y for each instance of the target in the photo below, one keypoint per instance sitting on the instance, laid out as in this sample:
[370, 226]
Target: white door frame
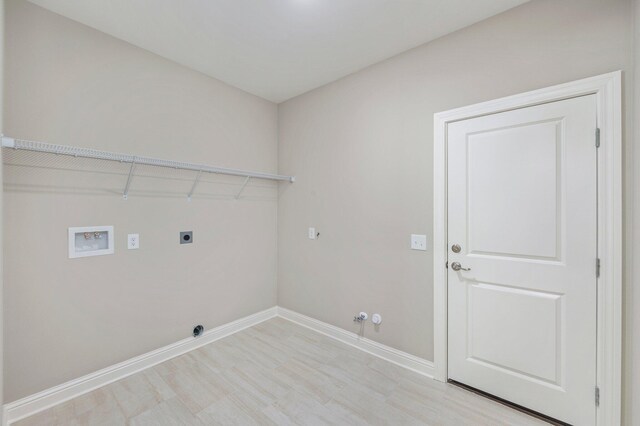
[608, 91]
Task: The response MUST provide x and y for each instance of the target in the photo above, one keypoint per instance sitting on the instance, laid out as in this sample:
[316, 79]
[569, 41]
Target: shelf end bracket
[244, 184]
[8, 142]
[195, 183]
[125, 194]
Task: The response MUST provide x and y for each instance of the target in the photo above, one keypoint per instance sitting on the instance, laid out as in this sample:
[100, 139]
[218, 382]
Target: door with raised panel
[522, 201]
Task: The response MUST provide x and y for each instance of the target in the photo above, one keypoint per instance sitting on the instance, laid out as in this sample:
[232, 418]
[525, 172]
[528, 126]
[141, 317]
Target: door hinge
[598, 268]
[446, 265]
[597, 396]
[597, 138]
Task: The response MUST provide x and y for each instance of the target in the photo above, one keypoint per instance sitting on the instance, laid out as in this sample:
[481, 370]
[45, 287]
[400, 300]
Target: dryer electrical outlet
[186, 237]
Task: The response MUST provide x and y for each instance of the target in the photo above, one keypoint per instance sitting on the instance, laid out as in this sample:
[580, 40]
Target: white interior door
[522, 201]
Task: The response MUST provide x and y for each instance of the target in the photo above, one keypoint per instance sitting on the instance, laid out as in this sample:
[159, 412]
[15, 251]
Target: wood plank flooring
[279, 373]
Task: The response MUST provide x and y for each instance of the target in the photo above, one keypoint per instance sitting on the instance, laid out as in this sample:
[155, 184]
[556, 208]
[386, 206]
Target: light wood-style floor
[279, 373]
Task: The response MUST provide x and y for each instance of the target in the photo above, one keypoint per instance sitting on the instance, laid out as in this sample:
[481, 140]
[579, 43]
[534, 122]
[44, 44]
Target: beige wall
[361, 149]
[1, 197]
[68, 84]
[632, 297]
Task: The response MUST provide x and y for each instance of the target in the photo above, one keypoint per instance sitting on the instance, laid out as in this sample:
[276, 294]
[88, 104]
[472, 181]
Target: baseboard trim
[33, 404]
[40, 401]
[395, 356]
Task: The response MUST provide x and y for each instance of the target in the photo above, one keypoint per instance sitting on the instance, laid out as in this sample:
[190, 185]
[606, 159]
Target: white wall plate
[418, 242]
[88, 241]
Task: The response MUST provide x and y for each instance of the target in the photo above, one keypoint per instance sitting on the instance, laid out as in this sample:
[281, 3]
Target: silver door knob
[456, 266]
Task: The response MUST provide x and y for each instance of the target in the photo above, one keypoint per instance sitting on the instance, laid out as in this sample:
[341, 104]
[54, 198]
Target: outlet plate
[186, 237]
[418, 242]
[133, 241]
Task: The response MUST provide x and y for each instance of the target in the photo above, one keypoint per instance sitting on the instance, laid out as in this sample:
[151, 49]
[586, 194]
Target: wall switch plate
[133, 241]
[418, 242]
[312, 233]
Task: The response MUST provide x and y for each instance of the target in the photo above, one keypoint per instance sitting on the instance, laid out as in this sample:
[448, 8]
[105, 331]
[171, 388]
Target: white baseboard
[40, 401]
[30, 405]
[403, 359]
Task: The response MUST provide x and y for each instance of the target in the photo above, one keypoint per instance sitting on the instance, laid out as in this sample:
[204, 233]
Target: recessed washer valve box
[90, 241]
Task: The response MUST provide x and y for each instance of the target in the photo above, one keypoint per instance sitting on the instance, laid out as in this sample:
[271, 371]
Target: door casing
[608, 91]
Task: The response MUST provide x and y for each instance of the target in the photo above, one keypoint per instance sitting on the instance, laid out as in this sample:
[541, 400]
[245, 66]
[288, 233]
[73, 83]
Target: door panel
[529, 320]
[522, 206]
[528, 215]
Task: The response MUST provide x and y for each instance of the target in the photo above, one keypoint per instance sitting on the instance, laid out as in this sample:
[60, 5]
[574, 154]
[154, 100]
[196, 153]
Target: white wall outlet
[418, 242]
[133, 241]
[312, 233]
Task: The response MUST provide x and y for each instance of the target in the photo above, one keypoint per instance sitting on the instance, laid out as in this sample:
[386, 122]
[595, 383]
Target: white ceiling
[277, 49]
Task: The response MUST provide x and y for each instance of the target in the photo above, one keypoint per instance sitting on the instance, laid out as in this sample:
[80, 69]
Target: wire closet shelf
[72, 151]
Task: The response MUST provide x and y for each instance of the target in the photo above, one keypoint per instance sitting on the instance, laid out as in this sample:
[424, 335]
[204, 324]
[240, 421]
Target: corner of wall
[631, 401]
[1, 220]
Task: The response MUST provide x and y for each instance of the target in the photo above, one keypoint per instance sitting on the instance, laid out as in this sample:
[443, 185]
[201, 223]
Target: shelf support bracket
[195, 183]
[125, 194]
[246, 180]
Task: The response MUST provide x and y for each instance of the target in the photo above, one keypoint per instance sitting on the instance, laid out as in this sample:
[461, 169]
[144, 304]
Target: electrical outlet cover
[418, 242]
[186, 237]
[133, 241]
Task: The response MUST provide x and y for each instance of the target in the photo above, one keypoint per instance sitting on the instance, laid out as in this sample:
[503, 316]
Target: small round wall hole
[197, 330]
[187, 237]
